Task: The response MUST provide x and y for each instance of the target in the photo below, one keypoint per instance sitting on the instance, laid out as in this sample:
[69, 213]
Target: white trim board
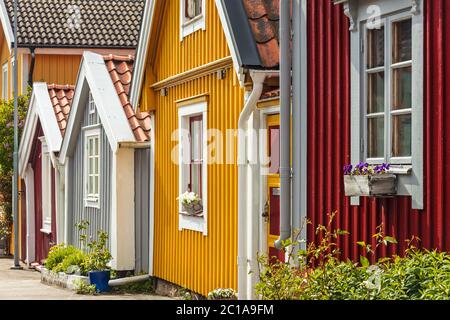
[40, 109]
[6, 24]
[94, 77]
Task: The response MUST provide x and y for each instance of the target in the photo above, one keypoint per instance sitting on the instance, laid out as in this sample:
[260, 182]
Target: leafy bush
[317, 273]
[7, 146]
[82, 287]
[219, 294]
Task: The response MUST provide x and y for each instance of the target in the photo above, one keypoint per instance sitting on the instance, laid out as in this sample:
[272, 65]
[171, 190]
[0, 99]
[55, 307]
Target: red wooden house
[376, 84]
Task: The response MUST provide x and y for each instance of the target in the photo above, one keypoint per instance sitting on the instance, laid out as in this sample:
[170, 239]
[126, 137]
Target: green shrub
[57, 255]
[317, 273]
[82, 287]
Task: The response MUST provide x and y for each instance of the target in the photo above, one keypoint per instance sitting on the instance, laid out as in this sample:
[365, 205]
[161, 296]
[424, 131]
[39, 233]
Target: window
[388, 91]
[46, 180]
[192, 16]
[5, 81]
[91, 104]
[387, 63]
[92, 167]
[192, 148]
[196, 164]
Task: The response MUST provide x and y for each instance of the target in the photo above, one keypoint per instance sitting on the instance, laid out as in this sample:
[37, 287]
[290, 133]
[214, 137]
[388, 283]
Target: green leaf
[390, 240]
[342, 232]
[364, 261]
[361, 243]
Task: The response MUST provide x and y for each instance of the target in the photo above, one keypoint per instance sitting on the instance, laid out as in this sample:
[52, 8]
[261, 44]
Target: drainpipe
[249, 107]
[285, 122]
[30, 74]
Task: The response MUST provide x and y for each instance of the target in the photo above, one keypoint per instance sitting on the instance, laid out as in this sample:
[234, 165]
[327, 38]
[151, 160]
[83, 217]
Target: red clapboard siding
[23, 220]
[329, 137]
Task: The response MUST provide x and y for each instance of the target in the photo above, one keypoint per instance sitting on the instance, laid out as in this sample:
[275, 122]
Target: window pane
[401, 139]
[375, 137]
[96, 185]
[274, 136]
[196, 140]
[96, 146]
[375, 93]
[402, 88]
[196, 177]
[90, 185]
[96, 169]
[91, 146]
[402, 41]
[375, 52]
[193, 8]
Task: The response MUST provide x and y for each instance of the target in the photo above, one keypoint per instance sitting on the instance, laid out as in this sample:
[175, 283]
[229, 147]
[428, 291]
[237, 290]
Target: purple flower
[383, 168]
[348, 169]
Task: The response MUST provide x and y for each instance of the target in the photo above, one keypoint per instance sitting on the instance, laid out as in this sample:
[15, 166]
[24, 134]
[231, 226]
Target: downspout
[285, 122]
[31, 72]
[250, 106]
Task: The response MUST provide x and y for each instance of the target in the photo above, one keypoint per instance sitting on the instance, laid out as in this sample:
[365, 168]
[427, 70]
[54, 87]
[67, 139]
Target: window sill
[191, 215]
[401, 169]
[193, 223]
[92, 204]
[46, 231]
[193, 25]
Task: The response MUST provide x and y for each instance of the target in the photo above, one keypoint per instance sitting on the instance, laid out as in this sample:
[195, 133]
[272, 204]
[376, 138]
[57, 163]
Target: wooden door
[273, 186]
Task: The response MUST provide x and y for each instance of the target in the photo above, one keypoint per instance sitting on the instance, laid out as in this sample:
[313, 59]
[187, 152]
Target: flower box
[377, 185]
[193, 209]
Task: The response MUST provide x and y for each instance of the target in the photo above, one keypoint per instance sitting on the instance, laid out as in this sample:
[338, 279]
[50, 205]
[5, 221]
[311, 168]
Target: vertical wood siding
[188, 258]
[196, 49]
[99, 219]
[60, 69]
[142, 209]
[329, 137]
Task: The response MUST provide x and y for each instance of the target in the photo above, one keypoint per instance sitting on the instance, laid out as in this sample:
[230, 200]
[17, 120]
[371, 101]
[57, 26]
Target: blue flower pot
[100, 279]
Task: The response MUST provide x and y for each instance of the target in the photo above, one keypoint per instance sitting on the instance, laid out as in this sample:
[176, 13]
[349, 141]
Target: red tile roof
[121, 70]
[61, 97]
[264, 17]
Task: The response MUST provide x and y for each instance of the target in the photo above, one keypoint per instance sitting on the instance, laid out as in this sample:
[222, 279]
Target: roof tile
[61, 97]
[75, 23]
[121, 70]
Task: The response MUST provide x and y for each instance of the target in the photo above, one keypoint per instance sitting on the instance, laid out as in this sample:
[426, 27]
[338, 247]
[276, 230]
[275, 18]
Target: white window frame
[5, 80]
[409, 171]
[388, 69]
[194, 223]
[189, 26]
[92, 200]
[46, 187]
[91, 104]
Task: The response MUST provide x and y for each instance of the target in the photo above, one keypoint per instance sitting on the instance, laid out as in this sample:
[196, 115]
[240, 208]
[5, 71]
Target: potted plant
[191, 203]
[370, 181]
[96, 262]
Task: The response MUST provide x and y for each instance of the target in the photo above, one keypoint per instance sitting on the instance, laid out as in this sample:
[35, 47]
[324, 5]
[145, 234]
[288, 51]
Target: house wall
[99, 219]
[59, 69]
[329, 137]
[188, 258]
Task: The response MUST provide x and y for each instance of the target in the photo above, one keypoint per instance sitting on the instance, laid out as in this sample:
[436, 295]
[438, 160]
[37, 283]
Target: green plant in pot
[96, 262]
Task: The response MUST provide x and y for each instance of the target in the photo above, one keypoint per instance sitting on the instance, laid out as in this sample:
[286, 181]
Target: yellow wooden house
[199, 64]
[52, 36]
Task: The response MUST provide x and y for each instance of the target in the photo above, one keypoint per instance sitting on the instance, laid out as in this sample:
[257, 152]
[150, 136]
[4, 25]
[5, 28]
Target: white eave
[6, 24]
[141, 53]
[41, 109]
[94, 76]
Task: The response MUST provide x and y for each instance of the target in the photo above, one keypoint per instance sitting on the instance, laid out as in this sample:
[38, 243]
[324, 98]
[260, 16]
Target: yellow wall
[187, 258]
[59, 69]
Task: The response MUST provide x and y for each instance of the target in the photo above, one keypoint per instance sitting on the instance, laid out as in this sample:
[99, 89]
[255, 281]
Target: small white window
[92, 168]
[5, 81]
[91, 104]
[192, 16]
[46, 180]
[192, 138]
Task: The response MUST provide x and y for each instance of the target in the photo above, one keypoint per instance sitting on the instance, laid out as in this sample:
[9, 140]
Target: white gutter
[258, 78]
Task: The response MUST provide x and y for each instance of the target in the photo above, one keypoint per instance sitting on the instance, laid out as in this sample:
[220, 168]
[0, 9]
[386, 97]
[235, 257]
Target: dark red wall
[23, 220]
[329, 136]
[43, 241]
